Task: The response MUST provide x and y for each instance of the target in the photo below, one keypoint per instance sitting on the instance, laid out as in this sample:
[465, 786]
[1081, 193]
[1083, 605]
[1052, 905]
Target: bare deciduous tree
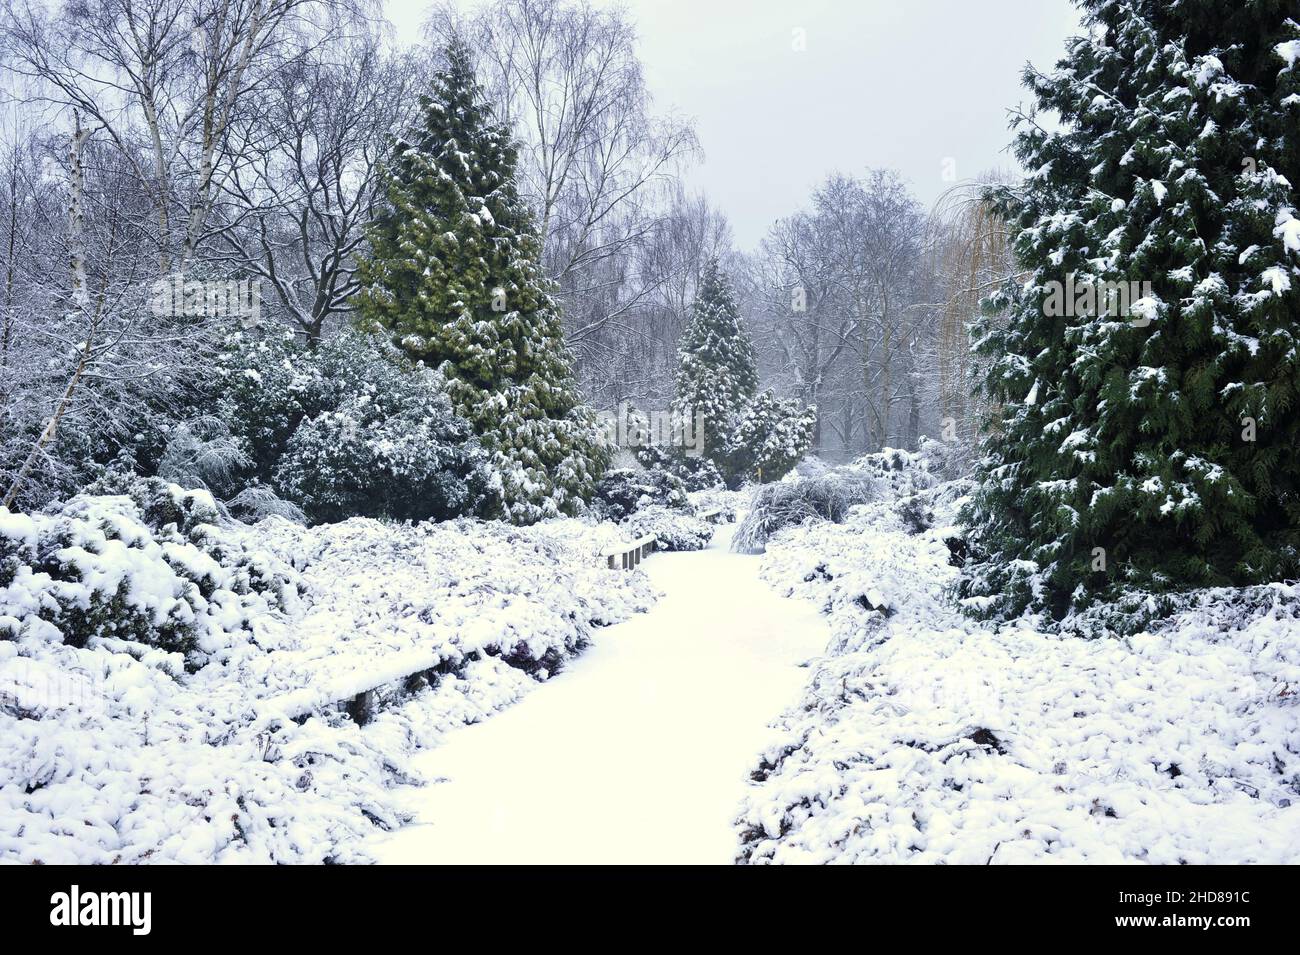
[297, 206]
[836, 291]
[153, 98]
[163, 80]
[968, 257]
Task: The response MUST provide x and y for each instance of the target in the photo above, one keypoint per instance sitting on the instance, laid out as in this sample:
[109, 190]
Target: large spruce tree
[453, 275]
[1158, 449]
[716, 372]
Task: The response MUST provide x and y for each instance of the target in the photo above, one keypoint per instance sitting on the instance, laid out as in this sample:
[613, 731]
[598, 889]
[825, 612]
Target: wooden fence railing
[628, 556]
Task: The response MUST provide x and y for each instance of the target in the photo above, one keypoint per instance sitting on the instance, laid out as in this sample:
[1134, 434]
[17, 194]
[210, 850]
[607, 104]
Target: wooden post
[361, 707]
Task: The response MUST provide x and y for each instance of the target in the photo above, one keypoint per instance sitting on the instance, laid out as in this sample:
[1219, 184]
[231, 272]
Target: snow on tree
[453, 277]
[1153, 447]
[716, 372]
[696, 473]
[346, 429]
[717, 377]
[771, 436]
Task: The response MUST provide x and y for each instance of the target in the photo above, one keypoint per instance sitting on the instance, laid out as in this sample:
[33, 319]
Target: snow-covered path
[641, 750]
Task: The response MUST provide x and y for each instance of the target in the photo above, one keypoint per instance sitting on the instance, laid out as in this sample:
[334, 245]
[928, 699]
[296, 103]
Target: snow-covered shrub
[350, 429]
[787, 503]
[249, 759]
[652, 502]
[258, 502]
[697, 473]
[901, 472]
[811, 466]
[365, 459]
[106, 568]
[266, 385]
[924, 738]
[1136, 611]
[769, 438]
[675, 529]
[161, 504]
[203, 453]
[624, 490]
[915, 513]
[947, 461]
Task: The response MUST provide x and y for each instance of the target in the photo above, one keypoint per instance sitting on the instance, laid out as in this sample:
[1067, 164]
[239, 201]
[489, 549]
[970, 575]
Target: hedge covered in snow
[674, 529]
[924, 737]
[146, 671]
[651, 501]
[146, 571]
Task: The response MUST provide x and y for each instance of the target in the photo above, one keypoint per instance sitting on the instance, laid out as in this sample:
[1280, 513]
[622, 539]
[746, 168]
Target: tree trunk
[80, 301]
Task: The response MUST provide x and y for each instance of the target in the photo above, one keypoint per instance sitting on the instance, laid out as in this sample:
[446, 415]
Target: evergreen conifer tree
[1155, 447]
[453, 276]
[716, 371]
[771, 436]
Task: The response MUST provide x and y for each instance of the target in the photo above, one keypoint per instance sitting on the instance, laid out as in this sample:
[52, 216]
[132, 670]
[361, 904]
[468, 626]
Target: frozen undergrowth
[673, 529]
[926, 738]
[112, 752]
[726, 502]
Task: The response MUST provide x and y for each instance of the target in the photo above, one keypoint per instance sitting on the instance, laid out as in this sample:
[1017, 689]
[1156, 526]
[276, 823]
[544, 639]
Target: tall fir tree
[1154, 450]
[716, 371]
[454, 277]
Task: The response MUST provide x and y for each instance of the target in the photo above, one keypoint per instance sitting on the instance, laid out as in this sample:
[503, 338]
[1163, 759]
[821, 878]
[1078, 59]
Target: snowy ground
[113, 752]
[690, 733]
[926, 738]
[640, 752]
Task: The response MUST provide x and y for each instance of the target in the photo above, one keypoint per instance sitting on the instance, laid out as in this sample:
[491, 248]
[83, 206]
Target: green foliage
[674, 528]
[716, 383]
[1126, 437]
[696, 472]
[624, 490]
[454, 279]
[162, 506]
[416, 463]
[350, 429]
[770, 438]
[716, 371]
[142, 565]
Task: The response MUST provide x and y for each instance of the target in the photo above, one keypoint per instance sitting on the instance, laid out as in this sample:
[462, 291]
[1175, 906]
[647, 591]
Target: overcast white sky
[899, 83]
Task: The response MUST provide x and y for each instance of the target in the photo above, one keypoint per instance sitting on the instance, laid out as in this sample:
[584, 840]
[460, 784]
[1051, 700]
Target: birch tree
[163, 81]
